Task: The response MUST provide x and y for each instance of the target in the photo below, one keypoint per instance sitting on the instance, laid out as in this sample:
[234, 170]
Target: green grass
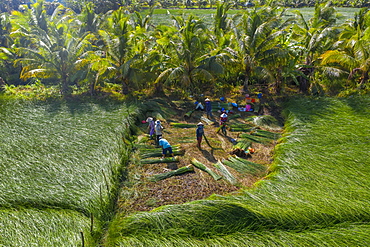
[65, 155]
[316, 195]
[162, 17]
[70, 154]
[33, 227]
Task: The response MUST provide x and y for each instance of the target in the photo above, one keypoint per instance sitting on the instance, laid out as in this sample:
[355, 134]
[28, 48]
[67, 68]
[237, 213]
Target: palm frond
[334, 72]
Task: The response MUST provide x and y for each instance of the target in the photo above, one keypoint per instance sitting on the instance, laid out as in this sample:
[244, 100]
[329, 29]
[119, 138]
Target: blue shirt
[208, 106]
[200, 131]
[164, 143]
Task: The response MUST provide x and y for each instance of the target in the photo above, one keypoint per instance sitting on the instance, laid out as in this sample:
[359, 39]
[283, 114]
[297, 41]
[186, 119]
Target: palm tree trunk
[364, 78]
[65, 86]
[125, 89]
[158, 88]
[245, 86]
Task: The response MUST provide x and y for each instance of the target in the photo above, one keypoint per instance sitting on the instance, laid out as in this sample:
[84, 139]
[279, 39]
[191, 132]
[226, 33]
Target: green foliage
[150, 153]
[183, 125]
[207, 52]
[155, 161]
[266, 121]
[243, 143]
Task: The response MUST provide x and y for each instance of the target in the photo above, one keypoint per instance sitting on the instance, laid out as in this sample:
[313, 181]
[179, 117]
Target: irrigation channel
[73, 173]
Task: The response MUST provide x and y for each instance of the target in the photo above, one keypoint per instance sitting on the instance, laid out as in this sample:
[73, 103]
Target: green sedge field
[60, 166]
[161, 16]
[61, 163]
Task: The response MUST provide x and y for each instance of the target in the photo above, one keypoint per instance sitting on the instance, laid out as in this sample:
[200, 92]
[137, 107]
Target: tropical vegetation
[85, 51]
[66, 148]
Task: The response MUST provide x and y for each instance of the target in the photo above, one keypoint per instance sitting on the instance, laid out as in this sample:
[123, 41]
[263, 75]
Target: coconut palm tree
[352, 53]
[53, 47]
[187, 66]
[259, 46]
[312, 38]
[124, 46]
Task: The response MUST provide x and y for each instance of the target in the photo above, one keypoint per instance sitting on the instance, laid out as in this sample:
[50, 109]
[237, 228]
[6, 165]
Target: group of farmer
[156, 131]
[155, 128]
[208, 106]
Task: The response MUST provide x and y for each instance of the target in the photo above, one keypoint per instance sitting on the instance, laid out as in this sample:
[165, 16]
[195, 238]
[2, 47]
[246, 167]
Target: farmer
[200, 133]
[208, 107]
[199, 106]
[223, 120]
[150, 126]
[158, 131]
[166, 146]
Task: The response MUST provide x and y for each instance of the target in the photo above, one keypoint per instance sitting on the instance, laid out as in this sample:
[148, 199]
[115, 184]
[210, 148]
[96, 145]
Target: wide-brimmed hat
[207, 99]
[223, 115]
[200, 123]
[149, 119]
[158, 122]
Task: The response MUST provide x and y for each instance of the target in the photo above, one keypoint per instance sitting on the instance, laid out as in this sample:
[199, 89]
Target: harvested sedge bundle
[154, 161]
[225, 173]
[202, 167]
[158, 153]
[165, 175]
[244, 166]
[183, 125]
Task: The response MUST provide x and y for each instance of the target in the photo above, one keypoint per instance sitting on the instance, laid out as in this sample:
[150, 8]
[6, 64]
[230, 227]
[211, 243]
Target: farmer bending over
[223, 120]
[166, 146]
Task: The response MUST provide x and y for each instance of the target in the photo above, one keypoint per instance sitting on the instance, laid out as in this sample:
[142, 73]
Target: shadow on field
[359, 105]
[78, 106]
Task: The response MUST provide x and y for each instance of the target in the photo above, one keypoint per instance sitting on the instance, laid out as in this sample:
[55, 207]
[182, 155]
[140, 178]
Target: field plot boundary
[315, 192]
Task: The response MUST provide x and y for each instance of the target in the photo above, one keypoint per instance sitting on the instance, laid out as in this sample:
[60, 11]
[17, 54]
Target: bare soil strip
[197, 184]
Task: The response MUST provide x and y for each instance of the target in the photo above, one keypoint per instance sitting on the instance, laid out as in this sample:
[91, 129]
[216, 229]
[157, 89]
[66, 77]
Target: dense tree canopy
[85, 49]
